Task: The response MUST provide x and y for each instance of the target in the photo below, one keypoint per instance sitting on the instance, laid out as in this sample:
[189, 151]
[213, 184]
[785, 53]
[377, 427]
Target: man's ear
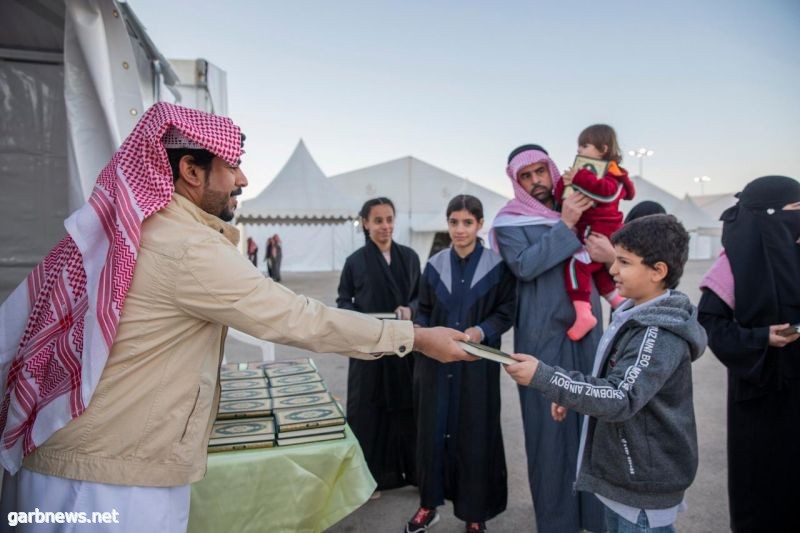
[190, 172]
[604, 151]
[659, 272]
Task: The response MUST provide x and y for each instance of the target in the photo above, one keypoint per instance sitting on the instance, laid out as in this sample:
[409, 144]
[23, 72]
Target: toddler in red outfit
[598, 142]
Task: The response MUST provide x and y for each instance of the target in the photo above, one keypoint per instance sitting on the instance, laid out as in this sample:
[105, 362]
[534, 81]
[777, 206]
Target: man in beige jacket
[142, 438]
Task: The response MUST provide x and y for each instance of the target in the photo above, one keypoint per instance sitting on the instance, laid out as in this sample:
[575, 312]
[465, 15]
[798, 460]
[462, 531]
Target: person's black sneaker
[423, 519]
[476, 527]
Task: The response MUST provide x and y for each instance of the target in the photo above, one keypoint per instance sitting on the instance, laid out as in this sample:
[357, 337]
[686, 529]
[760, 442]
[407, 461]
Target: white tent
[77, 76]
[705, 229]
[420, 193]
[312, 216]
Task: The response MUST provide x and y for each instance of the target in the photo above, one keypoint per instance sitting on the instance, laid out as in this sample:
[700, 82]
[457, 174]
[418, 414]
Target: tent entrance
[440, 241]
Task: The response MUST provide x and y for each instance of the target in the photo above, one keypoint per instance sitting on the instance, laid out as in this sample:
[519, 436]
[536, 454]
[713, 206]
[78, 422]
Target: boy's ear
[604, 150]
[658, 272]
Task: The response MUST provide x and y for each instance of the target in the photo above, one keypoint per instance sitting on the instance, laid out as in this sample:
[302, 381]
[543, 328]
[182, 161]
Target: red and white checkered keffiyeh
[57, 327]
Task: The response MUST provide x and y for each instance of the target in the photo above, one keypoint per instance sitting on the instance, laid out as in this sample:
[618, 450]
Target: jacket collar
[184, 205]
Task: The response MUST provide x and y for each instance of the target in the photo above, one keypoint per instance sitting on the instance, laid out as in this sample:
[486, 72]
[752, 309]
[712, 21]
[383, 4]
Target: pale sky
[711, 86]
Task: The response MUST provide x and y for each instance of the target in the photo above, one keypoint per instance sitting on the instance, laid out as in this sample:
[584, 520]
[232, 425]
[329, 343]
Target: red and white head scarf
[524, 209]
[58, 326]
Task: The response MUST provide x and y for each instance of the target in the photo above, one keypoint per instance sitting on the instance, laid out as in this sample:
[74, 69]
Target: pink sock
[614, 299]
[584, 321]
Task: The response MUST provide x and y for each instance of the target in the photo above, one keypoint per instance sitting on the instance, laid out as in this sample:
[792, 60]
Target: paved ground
[707, 499]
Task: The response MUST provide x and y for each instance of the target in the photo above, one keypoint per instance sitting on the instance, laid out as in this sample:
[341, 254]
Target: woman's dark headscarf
[642, 209]
[760, 239]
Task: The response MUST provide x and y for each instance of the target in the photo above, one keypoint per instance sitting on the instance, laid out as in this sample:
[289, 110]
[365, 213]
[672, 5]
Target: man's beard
[545, 195]
[218, 203]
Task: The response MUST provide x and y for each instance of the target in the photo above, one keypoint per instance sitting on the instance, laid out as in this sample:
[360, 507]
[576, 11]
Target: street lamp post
[701, 180]
[640, 154]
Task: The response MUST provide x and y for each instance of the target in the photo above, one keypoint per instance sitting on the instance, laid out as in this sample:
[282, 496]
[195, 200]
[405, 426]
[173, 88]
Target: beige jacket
[149, 420]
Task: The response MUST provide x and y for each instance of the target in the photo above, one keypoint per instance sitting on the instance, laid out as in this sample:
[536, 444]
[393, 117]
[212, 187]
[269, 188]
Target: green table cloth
[303, 488]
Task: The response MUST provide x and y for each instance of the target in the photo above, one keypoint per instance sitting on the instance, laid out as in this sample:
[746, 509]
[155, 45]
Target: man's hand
[440, 343]
[558, 412]
[573, 207]
[523, 371]
[403, 313]
[600, 249]
[567, 176]
[779, 341]
[474, 334]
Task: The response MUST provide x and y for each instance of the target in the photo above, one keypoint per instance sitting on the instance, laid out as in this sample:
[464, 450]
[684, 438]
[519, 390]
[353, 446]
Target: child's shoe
[614, 299]
[584, 321]
[423, 519]
[476, 527]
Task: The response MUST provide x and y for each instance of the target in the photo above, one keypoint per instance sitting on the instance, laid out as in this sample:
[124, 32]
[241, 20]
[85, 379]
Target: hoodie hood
[676, 314]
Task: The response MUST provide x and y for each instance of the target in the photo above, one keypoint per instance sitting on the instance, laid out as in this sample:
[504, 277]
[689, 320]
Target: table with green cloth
[301, 488]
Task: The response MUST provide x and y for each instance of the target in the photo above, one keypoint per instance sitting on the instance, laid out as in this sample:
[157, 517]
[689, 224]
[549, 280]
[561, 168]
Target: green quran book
[244, 409]
[487, 352]
[312, 431]
[597, 167]
[278, 364]
[294, 379]
[226, 374]
[295, 390]
[288, 370]
[311, 438]
[239, 384]
[244, 394]
[242, 434]
[305, 400]
[309, 417]
[383, 316]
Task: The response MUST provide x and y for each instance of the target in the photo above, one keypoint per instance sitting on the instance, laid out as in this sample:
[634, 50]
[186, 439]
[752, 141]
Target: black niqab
[760, 239]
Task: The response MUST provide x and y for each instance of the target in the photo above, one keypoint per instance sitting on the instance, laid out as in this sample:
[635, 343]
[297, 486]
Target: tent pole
[409, 201]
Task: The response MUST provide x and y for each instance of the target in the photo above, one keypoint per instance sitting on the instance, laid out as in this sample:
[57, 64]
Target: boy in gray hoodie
[638, 451]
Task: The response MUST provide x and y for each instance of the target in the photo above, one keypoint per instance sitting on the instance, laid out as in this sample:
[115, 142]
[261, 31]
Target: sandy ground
[706, 498]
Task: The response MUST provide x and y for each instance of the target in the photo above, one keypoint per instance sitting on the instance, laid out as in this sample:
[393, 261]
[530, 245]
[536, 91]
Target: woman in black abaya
[750, 297]
[382, 277]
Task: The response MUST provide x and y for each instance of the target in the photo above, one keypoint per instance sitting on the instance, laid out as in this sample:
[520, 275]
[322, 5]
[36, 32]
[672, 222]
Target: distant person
[535, 241]
[382, 277]
[252, 251]
[751, 297]
[604, 217]
[599, 246]
[460, 453]
[639, 440]
[274, 256]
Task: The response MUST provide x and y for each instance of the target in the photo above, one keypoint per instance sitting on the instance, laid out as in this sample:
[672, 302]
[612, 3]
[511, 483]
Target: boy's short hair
[657, 238]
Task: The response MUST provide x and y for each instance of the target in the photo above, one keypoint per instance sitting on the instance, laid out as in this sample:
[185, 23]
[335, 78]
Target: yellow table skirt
[304, 488]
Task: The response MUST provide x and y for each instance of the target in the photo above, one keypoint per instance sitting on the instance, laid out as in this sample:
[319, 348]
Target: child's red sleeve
[604, 190]
[559, 192]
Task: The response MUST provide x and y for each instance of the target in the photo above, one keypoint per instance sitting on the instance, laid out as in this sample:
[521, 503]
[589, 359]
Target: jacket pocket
[190, 442]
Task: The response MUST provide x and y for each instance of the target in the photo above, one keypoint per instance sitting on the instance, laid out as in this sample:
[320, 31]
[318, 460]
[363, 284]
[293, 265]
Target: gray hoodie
[641, 444]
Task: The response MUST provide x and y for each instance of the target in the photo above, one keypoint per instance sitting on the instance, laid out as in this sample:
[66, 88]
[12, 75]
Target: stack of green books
[242, 434]
[244, 394]
[313, 423]
[283, 402]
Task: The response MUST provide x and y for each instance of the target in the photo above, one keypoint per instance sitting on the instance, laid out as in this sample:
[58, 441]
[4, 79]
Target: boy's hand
[777, 340]
[474, 334]
[523, 371]
[558, 412]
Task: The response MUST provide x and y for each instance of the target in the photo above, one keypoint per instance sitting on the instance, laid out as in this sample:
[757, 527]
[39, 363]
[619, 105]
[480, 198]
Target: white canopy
[311, 215]
[704, 228]
[420, 193]
[299, 194]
